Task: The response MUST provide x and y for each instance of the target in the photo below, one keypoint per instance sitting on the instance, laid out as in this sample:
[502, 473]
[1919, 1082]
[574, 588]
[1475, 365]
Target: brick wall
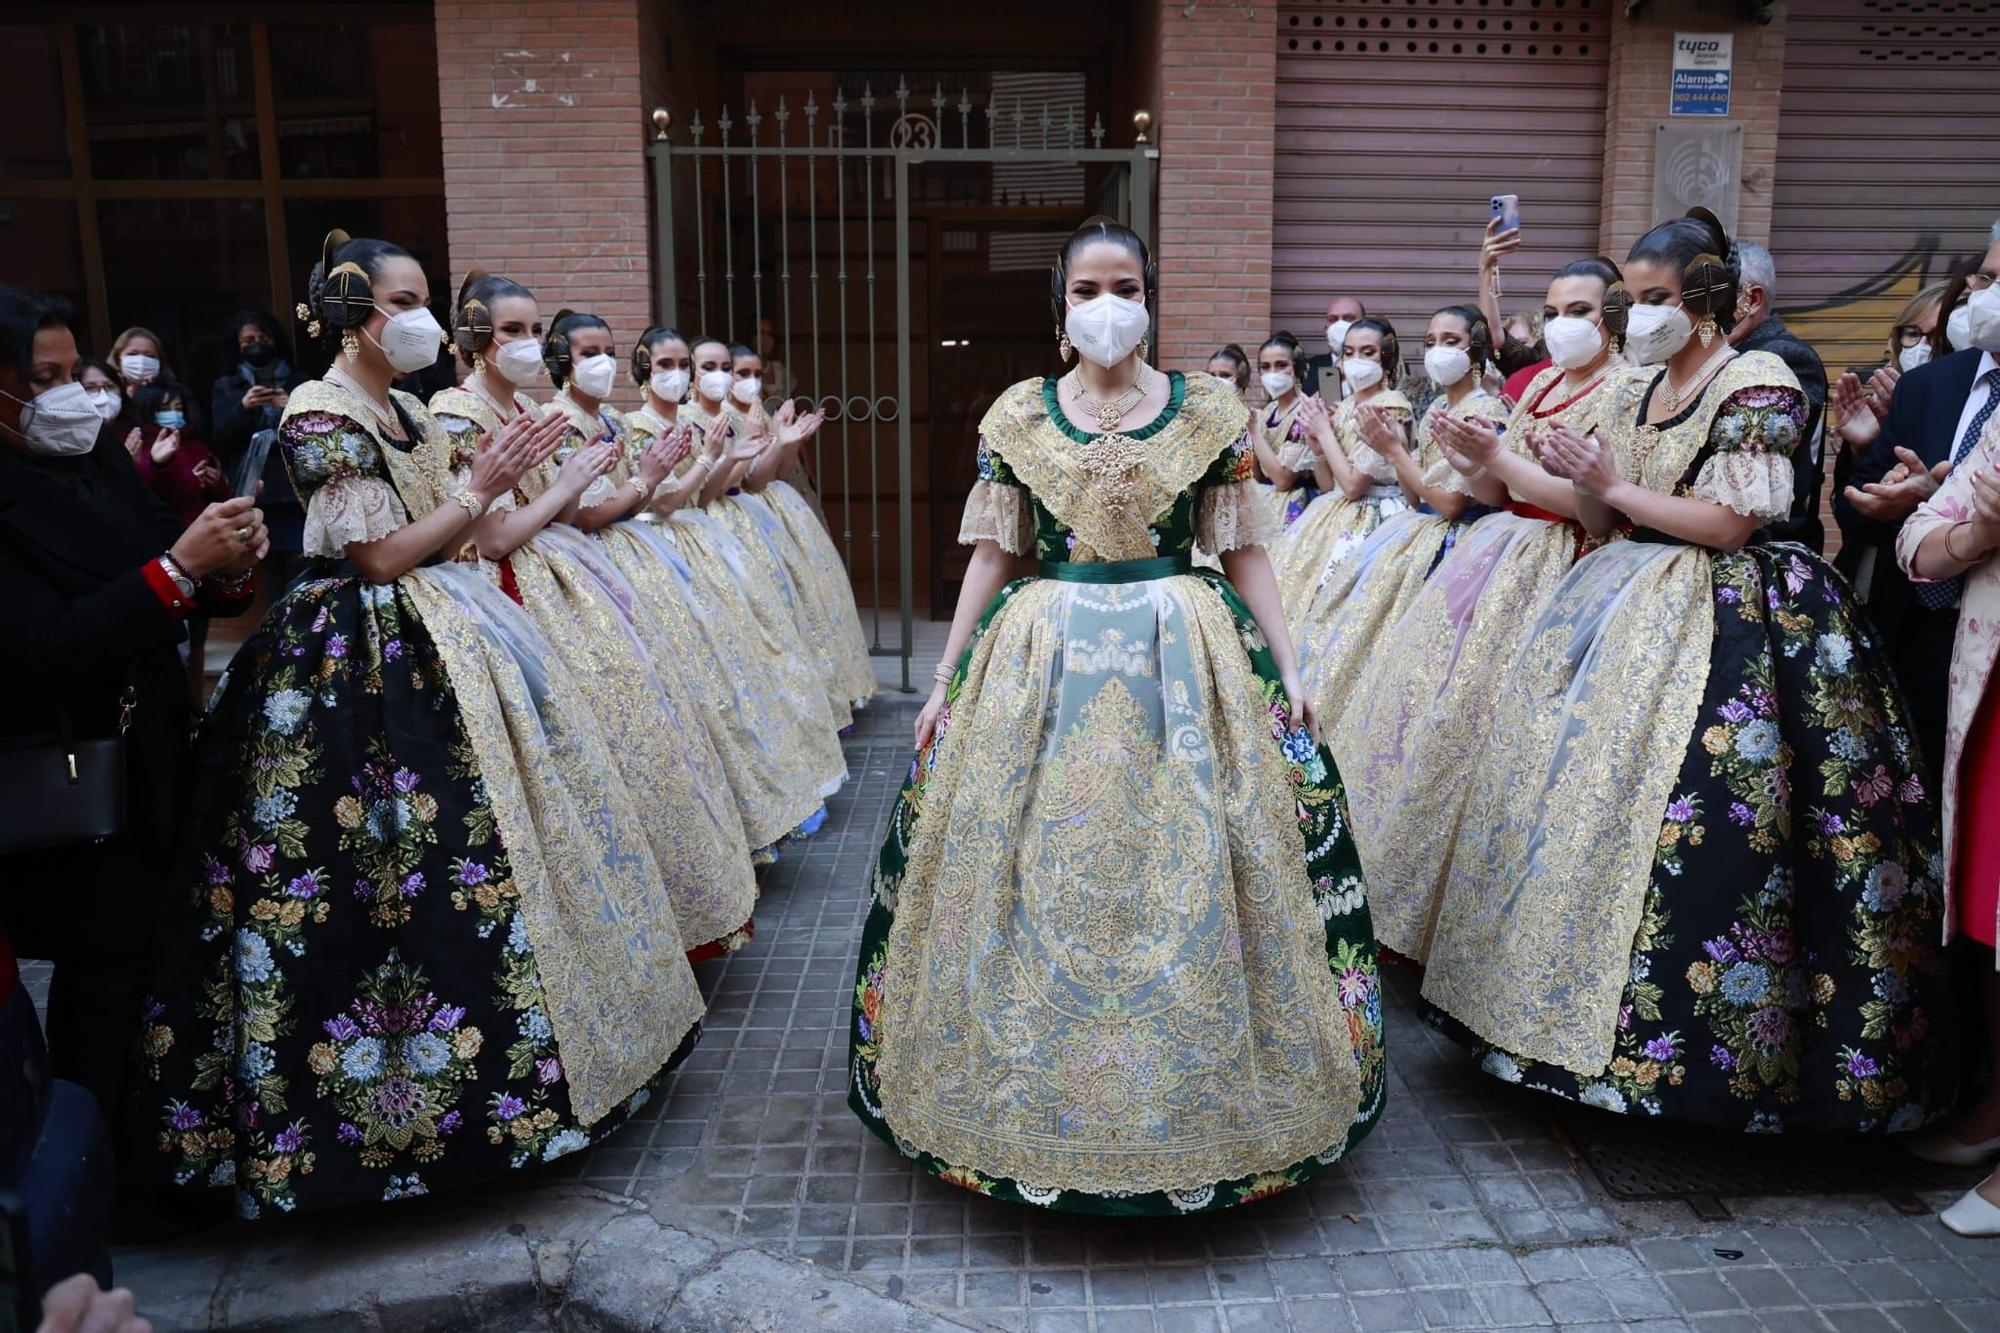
[1215, 122]
[1637, 102]
[544, 127]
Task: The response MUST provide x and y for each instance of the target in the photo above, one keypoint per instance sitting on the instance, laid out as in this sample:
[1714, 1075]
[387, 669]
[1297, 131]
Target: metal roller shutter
[1395, 124]
[1888, 160]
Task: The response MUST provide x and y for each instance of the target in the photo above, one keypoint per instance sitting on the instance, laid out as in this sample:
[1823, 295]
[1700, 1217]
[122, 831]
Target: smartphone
[1507, 208]
[265, 376]
[254, 460]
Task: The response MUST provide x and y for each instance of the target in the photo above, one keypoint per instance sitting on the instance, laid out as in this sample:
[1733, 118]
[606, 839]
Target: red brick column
[1218, 71]
[1638, 100]
[544, 162]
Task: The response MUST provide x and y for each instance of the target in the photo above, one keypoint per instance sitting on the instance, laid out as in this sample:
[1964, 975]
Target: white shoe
[1941, 1147]
[1972, 1216]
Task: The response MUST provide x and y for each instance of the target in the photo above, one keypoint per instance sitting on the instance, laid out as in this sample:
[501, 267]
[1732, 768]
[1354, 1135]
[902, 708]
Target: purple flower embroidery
[1735, 711]
[347, 1134]
[472, 874]
[1722, 1058]
[1740, 813]
[509, 1106]
[1728, 596]
[342, 1028]
[1660, 1048]
[413, 884]
[1831, 823]
[449, 1125]
[448, 1018]
[548, 1070]
[1680, 810]
[1861, 1066]
[185, 1117]
[305, 886]
[291, 1138]
[259, 857]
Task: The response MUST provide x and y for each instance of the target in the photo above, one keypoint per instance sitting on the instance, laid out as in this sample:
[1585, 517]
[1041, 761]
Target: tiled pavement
[1461, 1210]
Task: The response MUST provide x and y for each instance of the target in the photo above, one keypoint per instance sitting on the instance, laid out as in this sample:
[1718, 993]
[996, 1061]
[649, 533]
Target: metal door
[841, 217]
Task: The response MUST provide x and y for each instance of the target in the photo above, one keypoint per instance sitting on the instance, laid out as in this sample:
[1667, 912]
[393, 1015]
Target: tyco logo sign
[1701, 74]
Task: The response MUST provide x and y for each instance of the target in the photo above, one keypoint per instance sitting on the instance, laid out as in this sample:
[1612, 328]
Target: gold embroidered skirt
[651, 724]
[1119, 958]
[770, 556]
[1422, 707]
[1330, 530]
[777, 751]
[824, 579]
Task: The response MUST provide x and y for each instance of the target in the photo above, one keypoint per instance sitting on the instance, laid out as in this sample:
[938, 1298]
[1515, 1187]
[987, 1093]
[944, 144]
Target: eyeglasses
[1978, 282]
[1909, 335]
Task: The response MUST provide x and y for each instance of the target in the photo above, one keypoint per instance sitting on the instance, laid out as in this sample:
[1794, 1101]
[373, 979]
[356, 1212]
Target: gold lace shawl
[1658, 457]
[420, 471]
[1109, 491]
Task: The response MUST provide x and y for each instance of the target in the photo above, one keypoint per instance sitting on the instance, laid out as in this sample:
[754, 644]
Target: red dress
[1978, 880]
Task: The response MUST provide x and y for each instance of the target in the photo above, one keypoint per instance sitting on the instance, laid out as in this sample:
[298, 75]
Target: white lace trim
[1298, 455]
[604, 488]
[1754, 485]
[996, 511]
[1235, 515]
[462, 480]
[1442, 476]
[351, 509]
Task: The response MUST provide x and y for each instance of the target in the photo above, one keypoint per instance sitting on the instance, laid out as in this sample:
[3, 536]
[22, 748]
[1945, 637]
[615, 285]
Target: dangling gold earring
[1706, 330]
[1143, 345]
[1063, 349]
[479, 365]
[350, 343]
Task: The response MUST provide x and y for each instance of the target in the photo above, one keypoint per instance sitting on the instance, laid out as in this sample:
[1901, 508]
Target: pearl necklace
[1671, 398]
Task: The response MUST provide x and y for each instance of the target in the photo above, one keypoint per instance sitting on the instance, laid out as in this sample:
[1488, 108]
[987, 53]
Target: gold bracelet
[638, 483]
[472, 504]
[943, 673]
[1967, 561]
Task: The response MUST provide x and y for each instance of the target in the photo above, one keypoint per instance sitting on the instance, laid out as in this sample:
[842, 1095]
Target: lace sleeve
[1234, 515]
[351, 509]
[1751, 469]
[1000, 512]
[604, 488]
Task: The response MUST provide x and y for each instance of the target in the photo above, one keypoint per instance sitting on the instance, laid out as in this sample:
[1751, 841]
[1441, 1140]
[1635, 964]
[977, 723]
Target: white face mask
[1106, 328]
[1360, 373]
[1446, 366]
[1573, 343]
[1655, 332]
[61, 423]
[594, 375]
[520, 361]
[105, 401]
[1982, 319]
[1958, 328]
[747, 391]
[1336, 334]
[670, 385]
[138, 367]
[410, 340]
[1912, 357]
[1277, 383]
[714, 385]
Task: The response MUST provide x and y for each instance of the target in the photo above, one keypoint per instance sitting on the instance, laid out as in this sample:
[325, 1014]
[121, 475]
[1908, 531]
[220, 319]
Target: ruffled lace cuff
[462, 480]
[996, 511]
[595, 494]
[1237, 515]
[1298, 455]
[1755, 485]
[351, 509]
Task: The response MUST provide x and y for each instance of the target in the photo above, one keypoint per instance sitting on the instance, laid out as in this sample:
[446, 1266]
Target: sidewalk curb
[567, 1258]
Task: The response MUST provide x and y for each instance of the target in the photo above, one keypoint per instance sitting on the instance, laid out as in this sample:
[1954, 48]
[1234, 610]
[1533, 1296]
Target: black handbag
[59, 791]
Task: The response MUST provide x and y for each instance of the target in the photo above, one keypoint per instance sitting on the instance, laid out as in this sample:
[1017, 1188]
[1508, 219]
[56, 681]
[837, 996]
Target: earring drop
[350, 344]
[1063, 348]
[1143, 347]
[479, 365]
[1706, 330]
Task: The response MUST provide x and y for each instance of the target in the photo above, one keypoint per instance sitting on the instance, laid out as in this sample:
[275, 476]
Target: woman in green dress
[1119, 958]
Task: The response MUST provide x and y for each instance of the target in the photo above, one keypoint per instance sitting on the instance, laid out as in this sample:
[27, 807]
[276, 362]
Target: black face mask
[260, 354]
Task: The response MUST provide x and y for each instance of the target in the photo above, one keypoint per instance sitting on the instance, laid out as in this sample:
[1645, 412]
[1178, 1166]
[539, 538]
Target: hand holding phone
[1506, 211]
[254, 459]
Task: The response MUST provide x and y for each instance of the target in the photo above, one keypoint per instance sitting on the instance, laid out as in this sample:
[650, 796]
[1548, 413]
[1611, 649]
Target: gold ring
[242, 534]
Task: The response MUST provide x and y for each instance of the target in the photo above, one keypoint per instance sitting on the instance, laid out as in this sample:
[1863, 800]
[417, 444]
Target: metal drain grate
[1648, 1161]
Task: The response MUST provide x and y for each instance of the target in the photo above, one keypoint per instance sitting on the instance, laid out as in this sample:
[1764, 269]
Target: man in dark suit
[1760, 329]
[1934, 419]
[1341, 311]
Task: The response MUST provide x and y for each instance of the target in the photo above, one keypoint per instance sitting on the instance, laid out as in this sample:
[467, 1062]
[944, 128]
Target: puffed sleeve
[1295, 451]
[336, 468]
[1233, 512]
[997, 509]
[1951, 503]
[1754, 434]
[465, 434]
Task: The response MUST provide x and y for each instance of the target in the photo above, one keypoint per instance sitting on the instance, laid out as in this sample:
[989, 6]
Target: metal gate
[717, 207]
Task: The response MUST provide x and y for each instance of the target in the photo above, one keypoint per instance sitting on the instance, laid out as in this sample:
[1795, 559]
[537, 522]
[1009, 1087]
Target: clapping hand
[1583, 459]
[1382, 432]
[134, 442]
[209, 473]
[792, 428]
[659, 459]
[1901, 490]
[165, 445]
[1317, 422]
[715, 437]
[1472, 439]
[586, 465]
[510, 453]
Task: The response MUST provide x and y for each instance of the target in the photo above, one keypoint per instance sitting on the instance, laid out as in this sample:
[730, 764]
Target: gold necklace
[1670, 397]
[1109, 412]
